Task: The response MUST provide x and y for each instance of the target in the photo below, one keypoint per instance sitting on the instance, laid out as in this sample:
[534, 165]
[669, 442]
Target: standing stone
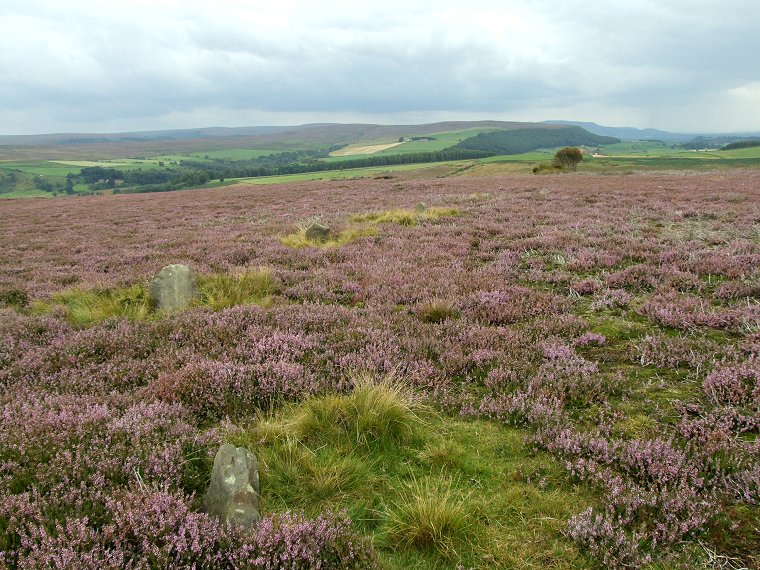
[233, 494]
[173, 288]
[318, 232]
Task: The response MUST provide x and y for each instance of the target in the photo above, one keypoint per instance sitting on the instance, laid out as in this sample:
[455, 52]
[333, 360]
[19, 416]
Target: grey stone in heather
[173, 288]
[318, 232]
[233, 493]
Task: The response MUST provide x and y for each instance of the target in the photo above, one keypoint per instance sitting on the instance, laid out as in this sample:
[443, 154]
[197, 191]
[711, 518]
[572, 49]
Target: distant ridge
[360, 131]
[626, 133]
[86, 146]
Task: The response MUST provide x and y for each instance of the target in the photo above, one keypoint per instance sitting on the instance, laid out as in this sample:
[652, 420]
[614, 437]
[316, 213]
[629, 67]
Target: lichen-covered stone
[233, 493]
[318, 232]
[173, 288]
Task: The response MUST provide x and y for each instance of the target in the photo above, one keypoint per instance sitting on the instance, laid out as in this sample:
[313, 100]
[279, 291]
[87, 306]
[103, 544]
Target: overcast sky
[98, 66]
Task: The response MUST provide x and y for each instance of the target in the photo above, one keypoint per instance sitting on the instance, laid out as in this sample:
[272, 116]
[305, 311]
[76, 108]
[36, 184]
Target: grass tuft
[374, 414]
[298, 240]
[218, 291]
[84, 307]
[405, 217]
[429, 515]
[436, 311]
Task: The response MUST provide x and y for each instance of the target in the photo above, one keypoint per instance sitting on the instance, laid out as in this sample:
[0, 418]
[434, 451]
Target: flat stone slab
[233, 493]
[173, 288]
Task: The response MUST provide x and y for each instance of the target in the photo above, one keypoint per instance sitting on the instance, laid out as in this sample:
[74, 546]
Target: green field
[438, 141]
[626, 156]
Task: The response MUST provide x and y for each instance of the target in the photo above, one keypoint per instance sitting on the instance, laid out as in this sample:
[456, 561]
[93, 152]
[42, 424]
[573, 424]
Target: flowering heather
[614, 319]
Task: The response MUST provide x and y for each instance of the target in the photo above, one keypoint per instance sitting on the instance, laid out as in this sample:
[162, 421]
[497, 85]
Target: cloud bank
[139, 65]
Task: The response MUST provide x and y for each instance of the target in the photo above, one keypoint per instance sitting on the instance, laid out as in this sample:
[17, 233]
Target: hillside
[86, 146]
[517, 141]
[626, 133]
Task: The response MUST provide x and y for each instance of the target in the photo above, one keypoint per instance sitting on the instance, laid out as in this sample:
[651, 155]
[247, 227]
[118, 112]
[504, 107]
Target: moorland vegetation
[558, 371]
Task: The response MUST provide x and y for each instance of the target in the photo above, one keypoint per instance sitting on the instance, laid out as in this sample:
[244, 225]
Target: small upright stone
[173, 287]
[233, 493]
[318, 232]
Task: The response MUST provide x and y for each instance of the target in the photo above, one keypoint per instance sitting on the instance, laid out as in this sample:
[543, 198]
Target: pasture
[493, 386]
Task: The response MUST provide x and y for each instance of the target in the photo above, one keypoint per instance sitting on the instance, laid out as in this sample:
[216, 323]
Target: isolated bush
[568, 157]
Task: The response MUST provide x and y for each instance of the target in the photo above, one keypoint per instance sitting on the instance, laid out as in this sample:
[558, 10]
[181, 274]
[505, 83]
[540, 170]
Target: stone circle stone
[173, 288]
[233, 493]
[318, 232]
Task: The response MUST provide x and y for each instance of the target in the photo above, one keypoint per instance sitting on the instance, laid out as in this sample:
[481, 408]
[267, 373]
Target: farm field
[293, 156]
[515, 371]
[425, 143]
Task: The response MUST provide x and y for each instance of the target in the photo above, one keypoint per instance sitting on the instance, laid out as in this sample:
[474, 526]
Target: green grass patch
[84, 307]
[404, 217]
[431, 491]
[298, 240]
[220, 291]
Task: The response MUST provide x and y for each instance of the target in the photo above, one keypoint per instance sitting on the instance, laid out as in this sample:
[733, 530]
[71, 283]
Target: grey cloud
[101, 66]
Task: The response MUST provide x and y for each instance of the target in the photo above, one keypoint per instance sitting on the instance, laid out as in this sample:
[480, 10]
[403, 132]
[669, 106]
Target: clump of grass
[441, 454]
[404, 217]
[429, 515]
[298, 240]
[381, 414]
[436, 311]
[83, 307]
[219, 291]
[13, 297]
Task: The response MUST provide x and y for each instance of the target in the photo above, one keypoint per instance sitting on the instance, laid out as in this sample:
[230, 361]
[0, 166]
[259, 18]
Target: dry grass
[298, 240]
[405, 217]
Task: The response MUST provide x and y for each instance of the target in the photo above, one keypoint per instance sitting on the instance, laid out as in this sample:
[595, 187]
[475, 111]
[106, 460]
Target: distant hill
[87, 146]
[517, 141]
[327, 132]
[627, 133]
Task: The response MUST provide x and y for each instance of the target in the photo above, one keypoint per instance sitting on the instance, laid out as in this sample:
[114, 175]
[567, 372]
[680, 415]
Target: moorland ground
[554, 371]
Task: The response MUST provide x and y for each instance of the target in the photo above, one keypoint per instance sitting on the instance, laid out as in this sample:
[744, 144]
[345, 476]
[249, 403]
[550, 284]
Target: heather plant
[156, 529]
[510, 305]
[664, 351]
[657, 425]
[737, 385]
